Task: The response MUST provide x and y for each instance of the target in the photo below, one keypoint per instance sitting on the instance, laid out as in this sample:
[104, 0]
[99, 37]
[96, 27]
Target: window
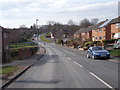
[100, 30]
[117, 25]
[95, 38]
[100, 37]
[104, 37]
[112, 35]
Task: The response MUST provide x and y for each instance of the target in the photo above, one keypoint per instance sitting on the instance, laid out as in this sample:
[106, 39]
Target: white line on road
[78, 64]
[68, 58]
[102, 81]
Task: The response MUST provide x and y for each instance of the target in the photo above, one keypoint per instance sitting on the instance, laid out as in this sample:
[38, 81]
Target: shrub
[88, 43]
[109, 41]
[60, 41]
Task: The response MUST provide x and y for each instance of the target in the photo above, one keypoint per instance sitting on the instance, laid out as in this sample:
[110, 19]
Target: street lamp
[37, 29]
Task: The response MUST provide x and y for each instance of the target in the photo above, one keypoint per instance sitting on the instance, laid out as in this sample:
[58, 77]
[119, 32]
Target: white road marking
[68, 58]
[102, 81]
[65, 55]
[78, 64]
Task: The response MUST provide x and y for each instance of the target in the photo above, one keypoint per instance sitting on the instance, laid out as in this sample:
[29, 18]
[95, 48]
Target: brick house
[115, 27]
[107, 30]
[98, 33]
[86, 34]
[77, 34]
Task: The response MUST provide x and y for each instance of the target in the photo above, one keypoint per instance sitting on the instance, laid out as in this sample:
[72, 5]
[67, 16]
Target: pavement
[63, 68]
[23, 66]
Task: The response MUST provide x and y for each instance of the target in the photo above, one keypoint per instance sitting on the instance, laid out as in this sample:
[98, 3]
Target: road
[62, 68]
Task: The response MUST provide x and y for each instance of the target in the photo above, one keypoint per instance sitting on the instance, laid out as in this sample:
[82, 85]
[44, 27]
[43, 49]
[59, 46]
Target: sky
[14, 13]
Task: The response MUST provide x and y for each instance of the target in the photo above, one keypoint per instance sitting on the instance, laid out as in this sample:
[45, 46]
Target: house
[98, 33]
[77, 34]
[87, 34]
[115, 27]
[107, 30]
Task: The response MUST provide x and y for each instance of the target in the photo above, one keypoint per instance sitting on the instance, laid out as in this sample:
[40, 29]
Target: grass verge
[115, 52]
[8, 69]
[44, 39]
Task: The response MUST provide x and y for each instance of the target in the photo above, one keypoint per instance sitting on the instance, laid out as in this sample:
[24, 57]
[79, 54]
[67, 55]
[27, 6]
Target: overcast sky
[14, 13]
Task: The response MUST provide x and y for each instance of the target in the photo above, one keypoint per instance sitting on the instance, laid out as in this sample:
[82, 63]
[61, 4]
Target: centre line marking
[68, 58]
[78, 64]
[102, 81]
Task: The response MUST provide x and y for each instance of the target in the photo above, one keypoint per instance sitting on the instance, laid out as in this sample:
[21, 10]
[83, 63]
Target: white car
[117, 45]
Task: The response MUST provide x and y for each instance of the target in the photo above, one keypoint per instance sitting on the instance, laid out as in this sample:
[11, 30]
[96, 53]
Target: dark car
[97, 52]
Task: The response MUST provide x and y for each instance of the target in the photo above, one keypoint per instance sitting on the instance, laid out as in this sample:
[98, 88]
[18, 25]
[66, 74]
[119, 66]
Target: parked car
[117, 45]
[97, 52]
[78, 47]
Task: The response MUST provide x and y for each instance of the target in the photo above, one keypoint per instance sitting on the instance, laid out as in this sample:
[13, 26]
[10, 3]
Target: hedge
[109, 41]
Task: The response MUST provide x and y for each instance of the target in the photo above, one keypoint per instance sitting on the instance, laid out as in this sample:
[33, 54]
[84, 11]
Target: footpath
[23, 65]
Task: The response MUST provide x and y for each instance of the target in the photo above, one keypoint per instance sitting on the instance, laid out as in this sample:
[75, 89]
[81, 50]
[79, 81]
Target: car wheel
[108, 57]
[93, 57]
[88, 56]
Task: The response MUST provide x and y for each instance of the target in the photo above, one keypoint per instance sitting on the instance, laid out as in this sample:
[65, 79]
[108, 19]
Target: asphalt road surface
[62, 68]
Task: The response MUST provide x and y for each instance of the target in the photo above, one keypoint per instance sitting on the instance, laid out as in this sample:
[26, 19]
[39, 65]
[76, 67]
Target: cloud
[15, 12]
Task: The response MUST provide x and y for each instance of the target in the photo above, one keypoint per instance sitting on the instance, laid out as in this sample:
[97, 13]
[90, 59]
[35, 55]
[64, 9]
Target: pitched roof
[88, 29]
[115, 20]
[105, 23]
[111, 21]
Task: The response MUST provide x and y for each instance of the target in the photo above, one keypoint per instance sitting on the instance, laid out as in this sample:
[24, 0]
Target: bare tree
[23, 27]
[70, 22]
[51, 22]
[94, 21]
[84, 23]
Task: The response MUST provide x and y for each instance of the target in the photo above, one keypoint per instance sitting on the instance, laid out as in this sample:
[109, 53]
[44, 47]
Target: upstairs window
[117, 25]
[100, 30]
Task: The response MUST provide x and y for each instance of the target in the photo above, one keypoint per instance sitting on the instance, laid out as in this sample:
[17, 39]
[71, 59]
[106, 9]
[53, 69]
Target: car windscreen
[97, 48]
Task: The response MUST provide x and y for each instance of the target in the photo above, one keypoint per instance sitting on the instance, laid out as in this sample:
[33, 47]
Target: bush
[14, 53]
[109, 41]
[48, 35]
[60, 41]
[88, 43]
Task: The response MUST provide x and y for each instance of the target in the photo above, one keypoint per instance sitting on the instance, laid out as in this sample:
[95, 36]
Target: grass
[115, 52]
[48, 34]
[21, 45]
[44, 39]
[8, 69]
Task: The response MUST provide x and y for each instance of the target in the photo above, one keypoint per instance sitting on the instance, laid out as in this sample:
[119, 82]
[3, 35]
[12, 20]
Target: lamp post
[37, 29]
